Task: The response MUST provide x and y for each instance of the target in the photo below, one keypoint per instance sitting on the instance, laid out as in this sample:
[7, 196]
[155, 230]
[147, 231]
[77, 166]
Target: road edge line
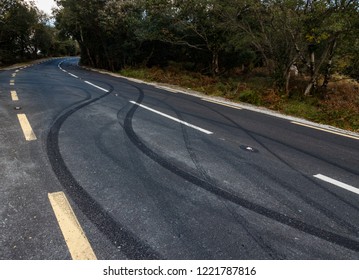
[326, 130]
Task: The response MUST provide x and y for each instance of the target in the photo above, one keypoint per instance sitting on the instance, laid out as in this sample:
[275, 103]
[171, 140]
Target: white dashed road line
[337, 183]
[73, 75]
[100, 88]
[87, 82]
[172, 118]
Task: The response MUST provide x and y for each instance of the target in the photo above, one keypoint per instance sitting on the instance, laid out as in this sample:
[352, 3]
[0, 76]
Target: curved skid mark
[250, 231]
[271, 214]
[121, 237]
[187, 141]
[86, 206]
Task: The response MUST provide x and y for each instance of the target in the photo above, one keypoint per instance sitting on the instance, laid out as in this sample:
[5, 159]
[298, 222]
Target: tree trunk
[287, 80]
[328, 69]
[312, 69]
[215, 63]
[312, 63]
[309, 88]
[288, 73]
[316, 68]
[87, 49]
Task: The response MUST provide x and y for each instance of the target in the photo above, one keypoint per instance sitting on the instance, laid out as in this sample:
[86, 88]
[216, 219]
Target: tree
[78, 19]
[25, 32]
[220, 34]
[294, 31]
[17, 20]
[328, 23]
[194, 24]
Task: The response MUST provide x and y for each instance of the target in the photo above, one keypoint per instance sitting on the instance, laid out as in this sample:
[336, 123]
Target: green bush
[250, 96]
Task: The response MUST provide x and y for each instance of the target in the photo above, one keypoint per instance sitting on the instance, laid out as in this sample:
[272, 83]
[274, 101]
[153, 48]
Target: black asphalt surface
[146, 187]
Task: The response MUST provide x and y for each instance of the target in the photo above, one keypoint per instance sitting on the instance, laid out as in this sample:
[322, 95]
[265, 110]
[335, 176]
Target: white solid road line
[326, 130]
[91, 84]
[172, 118]
[337, 183]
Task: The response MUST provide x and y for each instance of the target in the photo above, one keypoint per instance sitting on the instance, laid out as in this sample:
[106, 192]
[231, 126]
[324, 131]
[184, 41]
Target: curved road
[156, 174]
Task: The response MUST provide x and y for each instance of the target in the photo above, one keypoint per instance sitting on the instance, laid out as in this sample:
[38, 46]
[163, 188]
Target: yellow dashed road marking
[26, 128]
[76, 240]
[14, 96]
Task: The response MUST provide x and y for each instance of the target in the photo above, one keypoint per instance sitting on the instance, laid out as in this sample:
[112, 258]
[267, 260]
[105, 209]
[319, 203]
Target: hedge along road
[157, 174]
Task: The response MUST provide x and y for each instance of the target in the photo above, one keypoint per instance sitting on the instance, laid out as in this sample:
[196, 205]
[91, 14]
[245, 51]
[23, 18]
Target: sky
[45, 5]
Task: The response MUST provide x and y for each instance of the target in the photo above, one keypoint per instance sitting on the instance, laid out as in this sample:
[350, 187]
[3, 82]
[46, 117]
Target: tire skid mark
[227, 195]
[254, 233]
[121, 237]
[347, 169]
[309, 201]
[250, 231]
[156, 194]
[187, 141]
[269, 175]
[271, 214]
[309, 178]
[235, 125]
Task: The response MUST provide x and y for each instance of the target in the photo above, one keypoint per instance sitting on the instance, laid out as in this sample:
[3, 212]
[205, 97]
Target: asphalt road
[157, 174]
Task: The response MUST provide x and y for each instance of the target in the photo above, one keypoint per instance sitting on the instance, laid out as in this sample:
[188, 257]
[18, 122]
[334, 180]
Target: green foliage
[302, 108]
[218, 39]
[250, 96]
[213, 36]
[141, 74]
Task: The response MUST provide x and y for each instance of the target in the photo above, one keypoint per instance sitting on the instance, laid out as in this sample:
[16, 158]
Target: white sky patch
[45, 5]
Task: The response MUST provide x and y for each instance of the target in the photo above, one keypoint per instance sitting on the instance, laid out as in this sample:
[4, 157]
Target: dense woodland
[214, 37]
[26, 33]
[317, 37]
